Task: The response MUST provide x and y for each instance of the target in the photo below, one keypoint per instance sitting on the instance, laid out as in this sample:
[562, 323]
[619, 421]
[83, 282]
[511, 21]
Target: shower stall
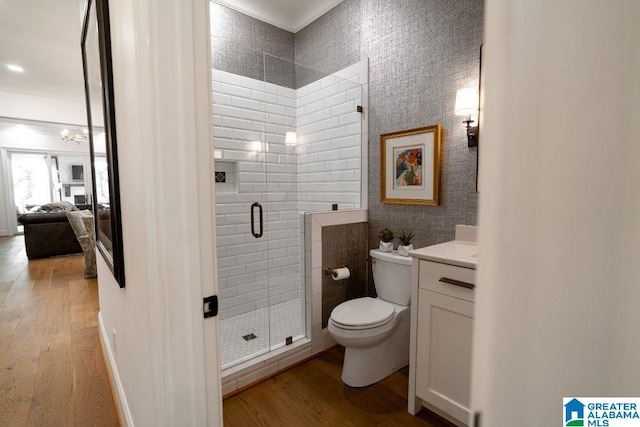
[287, 140]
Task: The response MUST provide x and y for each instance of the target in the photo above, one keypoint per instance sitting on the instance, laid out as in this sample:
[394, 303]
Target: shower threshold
[258, 354]
[251, 335]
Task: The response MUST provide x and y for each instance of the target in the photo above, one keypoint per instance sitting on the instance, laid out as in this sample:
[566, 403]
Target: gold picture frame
[410, 166]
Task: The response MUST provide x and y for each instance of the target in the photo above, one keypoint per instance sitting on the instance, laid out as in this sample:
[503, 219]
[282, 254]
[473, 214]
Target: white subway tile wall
[330, 140]
[280, 317]
[251, 119]
[225, 177]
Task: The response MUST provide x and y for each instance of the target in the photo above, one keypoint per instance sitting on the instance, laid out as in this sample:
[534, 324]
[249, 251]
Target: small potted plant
[386, 240]
[405, 237]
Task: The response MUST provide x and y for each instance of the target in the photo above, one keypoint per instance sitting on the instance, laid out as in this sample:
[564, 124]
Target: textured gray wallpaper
[420, 53]
[249, 47]
[344, 245]
[248, 32]
[238, 42]
[332, 42]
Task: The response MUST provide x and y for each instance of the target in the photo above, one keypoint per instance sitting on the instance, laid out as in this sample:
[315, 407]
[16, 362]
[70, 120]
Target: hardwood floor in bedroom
[51, 368]
[312, 394]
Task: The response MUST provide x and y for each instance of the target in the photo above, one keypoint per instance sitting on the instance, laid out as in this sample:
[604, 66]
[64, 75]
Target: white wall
[37, 108]
[43, 108]
[557, 310]
[164, 357]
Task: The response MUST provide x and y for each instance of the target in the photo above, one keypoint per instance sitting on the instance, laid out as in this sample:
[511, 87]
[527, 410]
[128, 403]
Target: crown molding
[274, 13]
[266, 11]
[310, 11]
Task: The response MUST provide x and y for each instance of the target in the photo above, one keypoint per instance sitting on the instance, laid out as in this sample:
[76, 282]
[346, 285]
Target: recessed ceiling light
[16, 68]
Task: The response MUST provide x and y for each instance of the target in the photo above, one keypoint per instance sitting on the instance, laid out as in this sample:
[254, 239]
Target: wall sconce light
[256, 146]
[291, 138]
[467, 105]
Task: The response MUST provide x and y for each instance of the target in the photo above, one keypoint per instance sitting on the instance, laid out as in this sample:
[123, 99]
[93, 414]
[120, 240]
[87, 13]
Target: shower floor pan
[251, 334]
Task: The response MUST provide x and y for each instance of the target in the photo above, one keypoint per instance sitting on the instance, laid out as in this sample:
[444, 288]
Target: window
[40, 178]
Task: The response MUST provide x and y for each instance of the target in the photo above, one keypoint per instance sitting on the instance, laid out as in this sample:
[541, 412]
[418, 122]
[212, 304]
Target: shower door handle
[253, 223]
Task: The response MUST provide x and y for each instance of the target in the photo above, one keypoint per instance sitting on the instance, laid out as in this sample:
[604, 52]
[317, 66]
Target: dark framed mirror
[98, 86]
[479, 112]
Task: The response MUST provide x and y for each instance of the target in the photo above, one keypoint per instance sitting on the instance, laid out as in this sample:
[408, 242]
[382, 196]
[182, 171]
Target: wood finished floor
[51, 368]
[312, 394]
[52, 372]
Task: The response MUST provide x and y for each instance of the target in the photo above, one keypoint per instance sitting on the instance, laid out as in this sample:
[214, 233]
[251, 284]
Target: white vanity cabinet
[441, 333]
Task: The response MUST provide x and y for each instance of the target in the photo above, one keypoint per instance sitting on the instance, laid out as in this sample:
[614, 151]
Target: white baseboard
[112, 371]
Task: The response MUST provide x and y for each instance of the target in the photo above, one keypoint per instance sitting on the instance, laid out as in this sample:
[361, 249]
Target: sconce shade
[291, 138]
[466, 102]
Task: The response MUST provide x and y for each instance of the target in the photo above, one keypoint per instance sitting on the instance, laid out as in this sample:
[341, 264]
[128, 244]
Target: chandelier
[83, 137]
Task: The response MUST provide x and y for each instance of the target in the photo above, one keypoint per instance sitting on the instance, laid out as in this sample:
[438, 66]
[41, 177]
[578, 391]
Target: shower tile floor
[286, 320]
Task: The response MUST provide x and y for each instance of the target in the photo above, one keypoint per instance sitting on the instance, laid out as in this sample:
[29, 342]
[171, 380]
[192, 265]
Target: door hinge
[210, 306]
[476, 419]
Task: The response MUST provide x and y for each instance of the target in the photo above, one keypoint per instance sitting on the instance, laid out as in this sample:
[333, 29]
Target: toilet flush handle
[373, 260]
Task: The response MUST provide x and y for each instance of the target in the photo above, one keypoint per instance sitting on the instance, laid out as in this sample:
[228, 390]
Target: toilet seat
[362, 313]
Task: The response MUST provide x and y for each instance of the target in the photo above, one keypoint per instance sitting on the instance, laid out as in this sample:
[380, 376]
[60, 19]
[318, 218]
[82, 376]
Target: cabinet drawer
[447, 279]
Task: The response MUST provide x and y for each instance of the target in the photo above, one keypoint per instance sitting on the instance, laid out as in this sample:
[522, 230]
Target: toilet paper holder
[329, 271]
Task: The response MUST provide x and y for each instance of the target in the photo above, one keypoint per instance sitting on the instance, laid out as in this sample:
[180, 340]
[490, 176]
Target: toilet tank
[391, 276]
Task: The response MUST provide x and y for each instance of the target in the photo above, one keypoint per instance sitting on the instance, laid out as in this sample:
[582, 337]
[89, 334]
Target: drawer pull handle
[457, 283]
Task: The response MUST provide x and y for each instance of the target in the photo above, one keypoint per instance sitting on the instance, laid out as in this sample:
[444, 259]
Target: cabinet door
[443, 365]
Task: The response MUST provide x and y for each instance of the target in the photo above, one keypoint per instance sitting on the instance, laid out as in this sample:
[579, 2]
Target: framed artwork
[410, 166]
[98, 86]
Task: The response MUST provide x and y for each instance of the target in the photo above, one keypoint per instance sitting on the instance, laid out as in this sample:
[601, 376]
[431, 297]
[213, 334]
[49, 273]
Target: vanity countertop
[456, 252]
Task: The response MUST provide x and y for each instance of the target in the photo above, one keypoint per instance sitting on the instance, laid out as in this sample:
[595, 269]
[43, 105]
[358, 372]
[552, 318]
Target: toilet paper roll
[340, 274]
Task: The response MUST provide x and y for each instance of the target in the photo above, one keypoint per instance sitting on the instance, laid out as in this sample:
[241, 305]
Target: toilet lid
[362, 312]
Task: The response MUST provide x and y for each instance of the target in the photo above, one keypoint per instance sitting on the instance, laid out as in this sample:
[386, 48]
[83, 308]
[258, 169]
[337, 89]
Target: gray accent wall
[239, 44]
[252, 48]
[420, 53]
[244, 31]
[344, 245]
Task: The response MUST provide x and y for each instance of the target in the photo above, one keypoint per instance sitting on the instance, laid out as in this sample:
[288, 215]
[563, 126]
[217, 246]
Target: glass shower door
[242, 256]
[242, 222]
[285, 275]
[287, 140]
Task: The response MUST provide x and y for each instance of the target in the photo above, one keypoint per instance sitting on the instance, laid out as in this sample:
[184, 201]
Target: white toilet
[375, 331]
